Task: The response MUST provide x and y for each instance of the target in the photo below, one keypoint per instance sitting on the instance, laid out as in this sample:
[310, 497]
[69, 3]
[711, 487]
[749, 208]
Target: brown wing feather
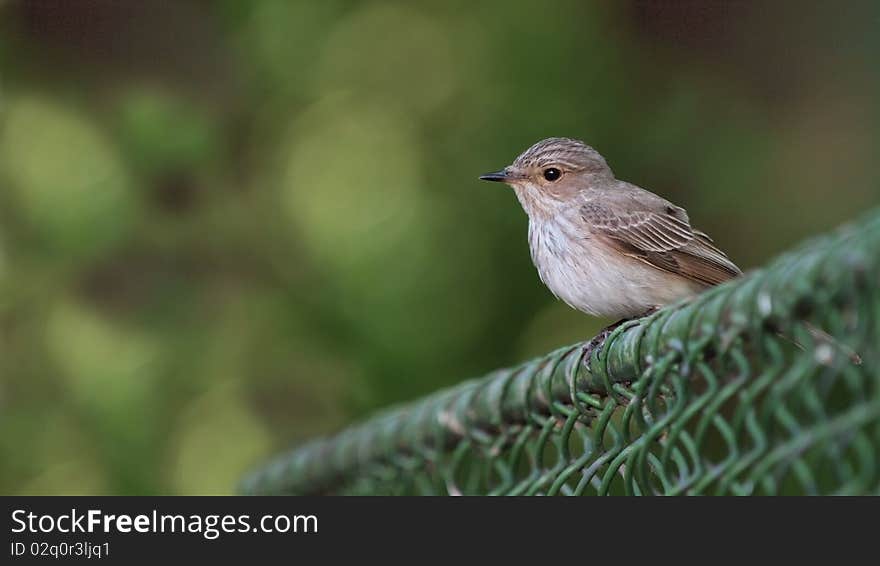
[663, 239]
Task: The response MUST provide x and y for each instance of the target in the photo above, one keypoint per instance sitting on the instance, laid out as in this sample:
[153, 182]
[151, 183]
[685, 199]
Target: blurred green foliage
[227, 227]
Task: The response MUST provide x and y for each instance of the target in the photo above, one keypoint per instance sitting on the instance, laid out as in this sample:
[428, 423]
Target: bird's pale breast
[594, 278]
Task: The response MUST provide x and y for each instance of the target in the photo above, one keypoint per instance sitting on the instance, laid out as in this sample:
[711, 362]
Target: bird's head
[552, 170]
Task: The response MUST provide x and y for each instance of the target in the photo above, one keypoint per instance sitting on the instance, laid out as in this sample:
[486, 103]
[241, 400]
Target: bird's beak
[503, 176]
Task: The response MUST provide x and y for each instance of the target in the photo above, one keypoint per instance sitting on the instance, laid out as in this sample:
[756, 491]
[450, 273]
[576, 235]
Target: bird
[604, 246]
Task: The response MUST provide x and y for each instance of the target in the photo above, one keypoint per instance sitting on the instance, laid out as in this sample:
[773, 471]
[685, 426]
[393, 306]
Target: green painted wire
[702, 397]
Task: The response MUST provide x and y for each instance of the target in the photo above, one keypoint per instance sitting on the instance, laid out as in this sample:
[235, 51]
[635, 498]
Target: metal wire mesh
[730, 393]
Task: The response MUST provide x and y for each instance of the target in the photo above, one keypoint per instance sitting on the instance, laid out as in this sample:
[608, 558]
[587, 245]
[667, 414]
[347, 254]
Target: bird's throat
[536, 205]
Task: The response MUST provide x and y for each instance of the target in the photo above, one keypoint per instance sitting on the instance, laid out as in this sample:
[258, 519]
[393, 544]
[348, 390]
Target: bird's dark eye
[552, 173]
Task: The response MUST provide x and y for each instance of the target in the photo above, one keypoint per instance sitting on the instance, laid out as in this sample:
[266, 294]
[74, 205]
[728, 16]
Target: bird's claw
[599, 339]
[594, 345]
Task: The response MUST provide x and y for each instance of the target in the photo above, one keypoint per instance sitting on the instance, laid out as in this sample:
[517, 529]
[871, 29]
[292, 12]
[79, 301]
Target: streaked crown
[570, 154]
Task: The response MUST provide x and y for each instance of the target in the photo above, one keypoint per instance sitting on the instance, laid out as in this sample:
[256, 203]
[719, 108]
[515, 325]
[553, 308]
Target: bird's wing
[659, 234]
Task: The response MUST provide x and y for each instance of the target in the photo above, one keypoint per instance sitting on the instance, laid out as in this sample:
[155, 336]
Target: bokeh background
[226, 227]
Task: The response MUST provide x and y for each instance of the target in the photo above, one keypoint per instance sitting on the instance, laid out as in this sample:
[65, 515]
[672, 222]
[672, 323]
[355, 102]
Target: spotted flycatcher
[604, 246]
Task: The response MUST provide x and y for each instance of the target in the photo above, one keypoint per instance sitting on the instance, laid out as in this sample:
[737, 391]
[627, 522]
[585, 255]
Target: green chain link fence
[730, 393]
